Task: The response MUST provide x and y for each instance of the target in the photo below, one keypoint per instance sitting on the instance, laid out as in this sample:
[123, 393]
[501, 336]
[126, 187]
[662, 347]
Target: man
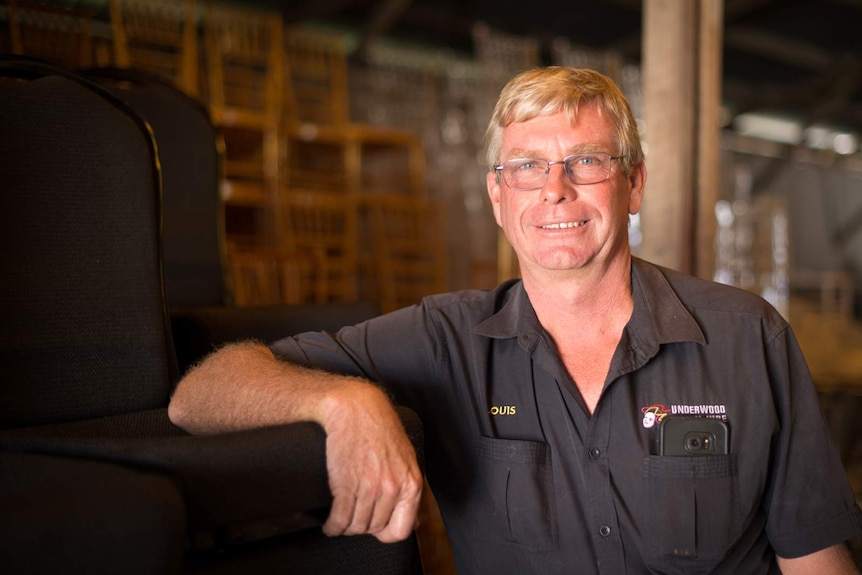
[535, 395]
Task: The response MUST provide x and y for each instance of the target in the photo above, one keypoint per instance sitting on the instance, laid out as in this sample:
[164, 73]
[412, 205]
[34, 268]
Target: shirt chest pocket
[692, 511]
[513, 496]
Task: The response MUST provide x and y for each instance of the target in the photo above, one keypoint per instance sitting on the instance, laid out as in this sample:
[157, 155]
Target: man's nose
[558, 187]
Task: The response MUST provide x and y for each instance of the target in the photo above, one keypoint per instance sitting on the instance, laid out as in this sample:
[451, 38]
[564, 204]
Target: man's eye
[587, 161]
[526, 166]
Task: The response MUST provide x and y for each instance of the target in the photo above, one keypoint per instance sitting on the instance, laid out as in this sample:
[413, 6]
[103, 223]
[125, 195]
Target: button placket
[602, 511]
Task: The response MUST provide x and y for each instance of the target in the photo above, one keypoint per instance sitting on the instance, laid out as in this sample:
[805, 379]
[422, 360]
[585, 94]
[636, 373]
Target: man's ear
[637, 183]
[494, 194]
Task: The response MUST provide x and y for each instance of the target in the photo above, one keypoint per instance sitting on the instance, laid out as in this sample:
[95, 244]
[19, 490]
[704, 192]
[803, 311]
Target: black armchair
[87, 365]
[197, 285]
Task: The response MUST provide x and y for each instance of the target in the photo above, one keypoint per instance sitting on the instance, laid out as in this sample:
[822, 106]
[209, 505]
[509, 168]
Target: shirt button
[595, 453]
[604, 530]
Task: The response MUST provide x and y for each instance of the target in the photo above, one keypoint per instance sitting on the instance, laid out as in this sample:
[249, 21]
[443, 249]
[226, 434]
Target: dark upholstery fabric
[198, 331]
[237, 486]
[83, 517]
[308, 553]
[190, 159]
[79, 225]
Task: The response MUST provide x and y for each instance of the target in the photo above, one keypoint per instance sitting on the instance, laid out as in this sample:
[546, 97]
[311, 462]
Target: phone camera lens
[697, 443]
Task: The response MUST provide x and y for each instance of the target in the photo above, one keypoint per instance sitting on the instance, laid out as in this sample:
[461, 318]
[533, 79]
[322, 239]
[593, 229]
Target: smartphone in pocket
[681, 435]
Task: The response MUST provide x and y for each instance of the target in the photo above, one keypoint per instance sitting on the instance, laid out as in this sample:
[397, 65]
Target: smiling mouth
[564, 225]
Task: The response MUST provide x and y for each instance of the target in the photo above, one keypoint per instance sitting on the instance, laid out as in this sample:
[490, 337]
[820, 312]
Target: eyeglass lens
[532, 173]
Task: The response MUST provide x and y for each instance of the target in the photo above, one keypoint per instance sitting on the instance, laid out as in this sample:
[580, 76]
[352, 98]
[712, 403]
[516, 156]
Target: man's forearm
[244, 385]
[835, 560]
[374, 477]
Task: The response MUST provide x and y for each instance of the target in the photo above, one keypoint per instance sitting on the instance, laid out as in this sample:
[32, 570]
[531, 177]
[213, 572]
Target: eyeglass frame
[500, 167]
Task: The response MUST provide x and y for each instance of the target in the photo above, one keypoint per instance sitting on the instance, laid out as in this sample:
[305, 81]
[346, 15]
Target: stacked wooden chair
[158, 36]
[55, 33]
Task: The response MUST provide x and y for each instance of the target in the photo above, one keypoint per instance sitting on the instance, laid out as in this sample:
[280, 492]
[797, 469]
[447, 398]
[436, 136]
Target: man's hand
[373, 473]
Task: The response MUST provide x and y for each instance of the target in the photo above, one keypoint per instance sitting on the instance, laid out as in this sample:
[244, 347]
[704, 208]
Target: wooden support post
[711, 27]
[681, 80]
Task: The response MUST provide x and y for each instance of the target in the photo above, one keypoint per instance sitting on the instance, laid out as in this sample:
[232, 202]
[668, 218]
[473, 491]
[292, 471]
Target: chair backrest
[244, 64]
[271, 277]
[409, 248]
[315, 78]
[323, 226]
[244, 79]
[57, 33]
[396, 95]
[191, 158]
[83, 327]
[159, 36]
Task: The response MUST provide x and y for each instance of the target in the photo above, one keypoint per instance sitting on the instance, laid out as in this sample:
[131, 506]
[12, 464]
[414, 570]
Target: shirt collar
[658, 317]
[659, 314]
[514, 318]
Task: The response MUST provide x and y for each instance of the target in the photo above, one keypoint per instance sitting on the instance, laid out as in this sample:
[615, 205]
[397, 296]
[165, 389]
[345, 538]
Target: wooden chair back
[244, 78]
[244, 64]
[271, 277]
[408, 238]
[316, 86]
[158, 36]
[60, 34]
[324, 227]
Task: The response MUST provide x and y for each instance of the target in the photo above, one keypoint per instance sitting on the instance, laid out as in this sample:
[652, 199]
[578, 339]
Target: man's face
[538, 223]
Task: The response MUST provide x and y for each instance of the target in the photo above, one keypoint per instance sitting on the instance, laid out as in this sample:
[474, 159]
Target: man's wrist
[338, 401]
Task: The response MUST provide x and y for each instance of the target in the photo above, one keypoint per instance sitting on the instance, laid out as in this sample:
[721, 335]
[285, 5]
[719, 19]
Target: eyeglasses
[531, 173]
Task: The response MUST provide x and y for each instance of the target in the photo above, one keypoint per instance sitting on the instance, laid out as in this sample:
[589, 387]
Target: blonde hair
[545, 91]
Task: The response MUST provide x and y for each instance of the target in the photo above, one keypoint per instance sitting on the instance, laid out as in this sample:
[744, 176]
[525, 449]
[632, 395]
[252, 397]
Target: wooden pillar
[681, 83]
[711, 27]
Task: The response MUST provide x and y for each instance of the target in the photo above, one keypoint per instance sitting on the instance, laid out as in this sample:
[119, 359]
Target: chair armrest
[237, 487]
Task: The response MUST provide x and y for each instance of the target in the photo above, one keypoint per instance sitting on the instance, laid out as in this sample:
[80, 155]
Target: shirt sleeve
[810, 505]
[400, 351]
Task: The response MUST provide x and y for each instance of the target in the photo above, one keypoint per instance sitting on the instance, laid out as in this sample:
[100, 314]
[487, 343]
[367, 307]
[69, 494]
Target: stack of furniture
[244, 80]
[300, 179]
[332, 163]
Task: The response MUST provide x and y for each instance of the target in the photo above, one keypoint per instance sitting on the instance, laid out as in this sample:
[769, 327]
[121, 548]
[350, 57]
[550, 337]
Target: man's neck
[592, 297]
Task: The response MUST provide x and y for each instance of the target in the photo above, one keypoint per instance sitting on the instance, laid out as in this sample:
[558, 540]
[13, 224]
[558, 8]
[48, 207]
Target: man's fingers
[401, 521]
[388, 512]
[367, 512]
[363, 512]
[340, 515]
[389, 493]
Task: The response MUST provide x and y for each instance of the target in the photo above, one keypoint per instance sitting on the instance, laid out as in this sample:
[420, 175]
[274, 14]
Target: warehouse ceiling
[801, 58]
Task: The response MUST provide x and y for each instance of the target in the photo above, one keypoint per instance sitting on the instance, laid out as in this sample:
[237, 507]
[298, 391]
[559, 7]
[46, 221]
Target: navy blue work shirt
[529, 482]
